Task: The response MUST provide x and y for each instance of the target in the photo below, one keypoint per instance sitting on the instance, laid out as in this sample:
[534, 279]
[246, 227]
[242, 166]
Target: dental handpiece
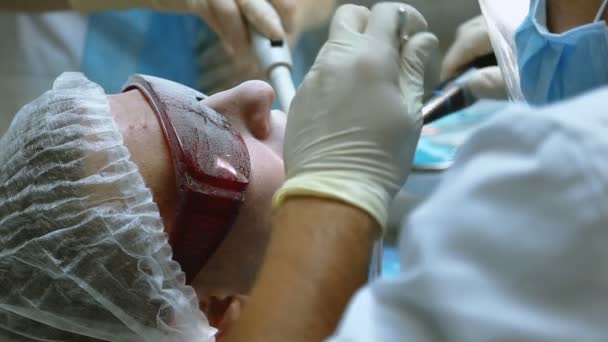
[454, 95]
[274, 58]
[449, 98]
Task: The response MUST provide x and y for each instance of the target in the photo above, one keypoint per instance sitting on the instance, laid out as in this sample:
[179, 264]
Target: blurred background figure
[42, 40]
[110, 45]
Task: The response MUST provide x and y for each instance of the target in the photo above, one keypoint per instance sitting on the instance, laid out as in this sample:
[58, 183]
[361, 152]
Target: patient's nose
[248, 104]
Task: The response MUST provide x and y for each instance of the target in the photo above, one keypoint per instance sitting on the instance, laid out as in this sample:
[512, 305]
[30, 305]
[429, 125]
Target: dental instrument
[454, 95]
[274, 59]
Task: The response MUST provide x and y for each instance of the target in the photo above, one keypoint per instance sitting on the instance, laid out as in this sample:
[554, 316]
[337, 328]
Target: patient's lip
[231, 315]
[222, 312]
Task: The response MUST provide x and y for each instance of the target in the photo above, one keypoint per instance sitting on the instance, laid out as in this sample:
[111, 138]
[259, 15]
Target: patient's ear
[148, 148]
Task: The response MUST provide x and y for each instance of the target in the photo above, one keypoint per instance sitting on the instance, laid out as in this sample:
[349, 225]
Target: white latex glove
[487, 83]
[225, 17]
[354, 123]
[473, 41]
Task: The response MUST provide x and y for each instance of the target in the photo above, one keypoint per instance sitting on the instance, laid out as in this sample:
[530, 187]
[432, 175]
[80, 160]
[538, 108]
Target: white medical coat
[513, 244]
[107, 46]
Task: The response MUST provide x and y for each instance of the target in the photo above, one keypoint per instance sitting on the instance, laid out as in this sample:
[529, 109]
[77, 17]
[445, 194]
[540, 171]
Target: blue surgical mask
[552, 66]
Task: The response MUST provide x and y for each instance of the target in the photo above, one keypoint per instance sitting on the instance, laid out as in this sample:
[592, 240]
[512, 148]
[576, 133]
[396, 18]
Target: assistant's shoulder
[519, 215]
[551, 159]
[584, 116]
[575, 128]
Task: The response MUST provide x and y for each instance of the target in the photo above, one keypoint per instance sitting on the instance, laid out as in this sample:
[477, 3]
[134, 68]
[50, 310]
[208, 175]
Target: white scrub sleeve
[513, 244]
[83, 255]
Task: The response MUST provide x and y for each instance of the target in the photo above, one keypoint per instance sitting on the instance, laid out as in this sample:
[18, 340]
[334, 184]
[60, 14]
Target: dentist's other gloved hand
[223, 73]
[473, 41]
[354, 123]
[274, 19]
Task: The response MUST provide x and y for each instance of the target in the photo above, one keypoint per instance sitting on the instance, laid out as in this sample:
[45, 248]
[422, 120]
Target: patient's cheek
[234, 267]
[252, 228]
[267, 170]
[266, 177]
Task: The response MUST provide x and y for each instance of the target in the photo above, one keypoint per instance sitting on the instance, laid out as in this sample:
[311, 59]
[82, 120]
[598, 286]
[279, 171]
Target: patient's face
[232, 269]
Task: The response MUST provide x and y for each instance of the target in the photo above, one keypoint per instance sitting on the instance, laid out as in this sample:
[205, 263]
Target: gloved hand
[225, 17]
[473, 41]
[354, 123]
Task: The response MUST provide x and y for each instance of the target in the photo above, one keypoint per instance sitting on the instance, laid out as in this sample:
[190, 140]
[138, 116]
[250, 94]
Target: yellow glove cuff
[340, 186]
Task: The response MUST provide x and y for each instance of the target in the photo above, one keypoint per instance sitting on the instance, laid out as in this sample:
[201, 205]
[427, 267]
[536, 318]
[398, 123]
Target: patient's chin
[223, 312]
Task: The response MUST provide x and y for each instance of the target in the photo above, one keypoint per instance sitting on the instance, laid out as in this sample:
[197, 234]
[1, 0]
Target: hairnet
[503, 19]
[83, 254]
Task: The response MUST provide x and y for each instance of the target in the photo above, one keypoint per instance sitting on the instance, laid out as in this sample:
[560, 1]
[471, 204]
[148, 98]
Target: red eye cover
[212, 169]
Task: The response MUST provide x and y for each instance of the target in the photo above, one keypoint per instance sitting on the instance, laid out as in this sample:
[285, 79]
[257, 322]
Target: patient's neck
[563, 15]
[149, 150]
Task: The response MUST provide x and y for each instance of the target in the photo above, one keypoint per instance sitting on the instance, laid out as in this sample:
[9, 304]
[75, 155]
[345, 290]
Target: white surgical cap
[503, 19]
[83, 255]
